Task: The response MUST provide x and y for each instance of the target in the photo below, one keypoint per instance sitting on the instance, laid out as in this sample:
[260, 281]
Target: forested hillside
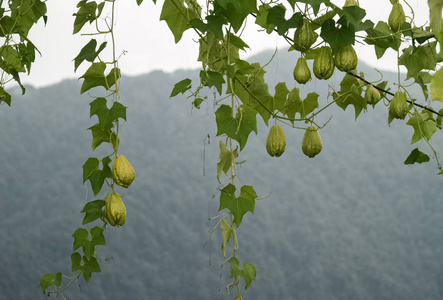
[353, 223]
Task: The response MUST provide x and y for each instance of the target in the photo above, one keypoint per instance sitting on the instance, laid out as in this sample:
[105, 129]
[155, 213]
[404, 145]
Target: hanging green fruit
[345, 59]
[115, 210]
[399, 107]
[122, 171]
[311, 144]
[276, 141]
[304, 37]
[302, 74]
[372, 95]
[324, 63]
[396, 17]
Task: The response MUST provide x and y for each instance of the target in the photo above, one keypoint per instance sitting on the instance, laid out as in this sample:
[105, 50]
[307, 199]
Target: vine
[323, 33]
[111, 209]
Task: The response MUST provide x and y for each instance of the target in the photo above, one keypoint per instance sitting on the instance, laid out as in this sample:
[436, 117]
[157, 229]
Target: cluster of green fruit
[123, 175]
[276, 141]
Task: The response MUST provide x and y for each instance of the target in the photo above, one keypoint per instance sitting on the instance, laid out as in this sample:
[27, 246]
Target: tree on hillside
[321, 32]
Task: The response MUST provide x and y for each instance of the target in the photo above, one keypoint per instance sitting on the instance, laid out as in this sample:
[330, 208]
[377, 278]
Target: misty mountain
[353, 223]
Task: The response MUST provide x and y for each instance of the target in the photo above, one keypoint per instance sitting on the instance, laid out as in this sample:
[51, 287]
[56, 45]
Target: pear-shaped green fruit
[311, 144]
[302, 74]
[276, 141]
[115, 210]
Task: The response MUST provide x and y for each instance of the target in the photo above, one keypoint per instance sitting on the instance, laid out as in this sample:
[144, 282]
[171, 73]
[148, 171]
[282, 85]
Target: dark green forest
[353, 223]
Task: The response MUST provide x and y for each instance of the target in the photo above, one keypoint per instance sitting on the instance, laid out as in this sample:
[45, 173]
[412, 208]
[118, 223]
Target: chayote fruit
[311, 144]
[122, 171]
[304, 37]
[276, 141]
[351, 3]
[302, 74]
[115, 210]
[396, 17]
[399, 107]
[345, 59]
[324, 63]
[372, 95]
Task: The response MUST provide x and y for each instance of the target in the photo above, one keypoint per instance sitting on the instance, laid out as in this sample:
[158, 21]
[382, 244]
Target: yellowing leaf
[227, 232]
[437, 85]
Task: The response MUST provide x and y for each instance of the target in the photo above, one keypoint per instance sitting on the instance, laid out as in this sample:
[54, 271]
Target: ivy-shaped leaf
[212, 79]
[276, 16]
[81, 239]
[295, 105]
[88, 53]
[226, 158]
[93, 210]
[315, 4]
[227, 232]
[90, 265]
[281, 95]
[337, 36]
[437, 86]
[177, 16]
[50, 279]
[380, 36]
[106, 116]
[248, 272]
[416, 156]
[418, 58]
[235, 11]
[424, 127]
[87, 12]
[240, 205]
[350, 94]
[95, 76]
[181, 87]
[262, 18]
[238, 127]
[92, 172]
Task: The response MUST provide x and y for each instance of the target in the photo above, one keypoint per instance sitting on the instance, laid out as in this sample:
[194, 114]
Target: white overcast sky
[150, 45]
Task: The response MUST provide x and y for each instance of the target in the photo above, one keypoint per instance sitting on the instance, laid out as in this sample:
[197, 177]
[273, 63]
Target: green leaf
[337, 37]
[99, 136]
[262, 18]
[353, 15]
[88, 53]
[87, 12]
[177, 16]
[248, 272]
[381, 37]
[416, 156]
[418, 58]
[81, 239]
[181, 87]
[50, 279]
[89, 167]
[240, 205]
[315, 4]
[437, 86]
[295, 105]
[4, 96]
[105, 115]
[10, 59]
[276, 16]
[281, 95]
[95, 76]
[140, 2]
[235, 11]
[76, 260]
[90, 265]
[350, 94]
[424, 127]
[93, 210]
[212, 79]
[239, 127]
[227, 232]
[92, 172]
[226, 158]
[435, 12]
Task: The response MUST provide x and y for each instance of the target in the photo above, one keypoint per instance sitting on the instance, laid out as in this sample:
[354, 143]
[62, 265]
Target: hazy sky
[150, 44]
